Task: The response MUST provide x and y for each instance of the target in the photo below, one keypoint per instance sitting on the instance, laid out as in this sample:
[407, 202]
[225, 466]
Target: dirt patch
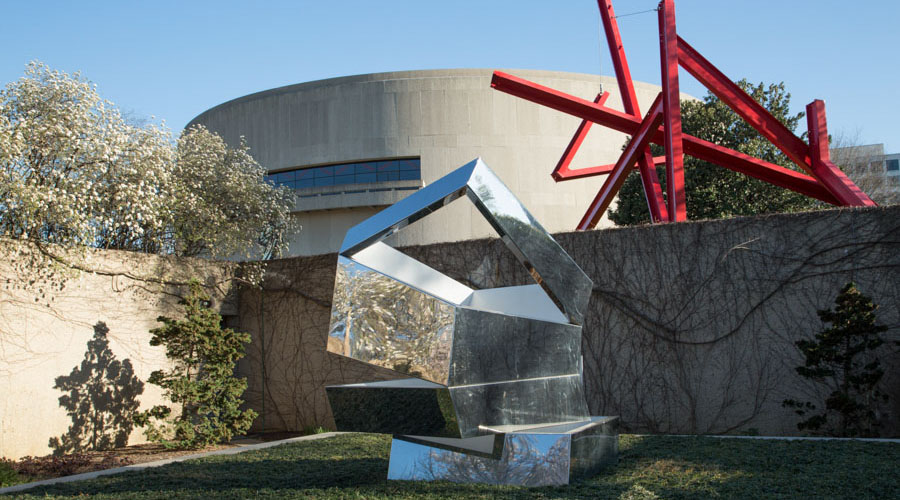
[47, 467]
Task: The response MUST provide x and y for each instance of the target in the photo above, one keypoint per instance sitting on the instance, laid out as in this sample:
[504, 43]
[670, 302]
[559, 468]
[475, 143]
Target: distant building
[351, 146]
[876, 173]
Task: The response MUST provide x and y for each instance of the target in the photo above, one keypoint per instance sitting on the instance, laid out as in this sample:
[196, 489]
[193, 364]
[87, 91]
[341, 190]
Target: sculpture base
[514, 455]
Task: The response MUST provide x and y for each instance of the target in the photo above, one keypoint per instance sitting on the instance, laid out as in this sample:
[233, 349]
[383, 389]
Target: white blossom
[73, 172]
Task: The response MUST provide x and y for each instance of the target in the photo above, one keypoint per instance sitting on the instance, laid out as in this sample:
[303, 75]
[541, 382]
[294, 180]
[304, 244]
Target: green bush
[202, 384]
[8, 475]
[844, 358]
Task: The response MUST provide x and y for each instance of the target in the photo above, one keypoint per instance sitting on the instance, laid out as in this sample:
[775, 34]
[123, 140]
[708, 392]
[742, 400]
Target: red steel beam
[668, 52]
[652, 189]
[828, 173]
[835, 181]
[744, 105]
[698, 148]
[638, 144]
[602, 170]
[562, 171]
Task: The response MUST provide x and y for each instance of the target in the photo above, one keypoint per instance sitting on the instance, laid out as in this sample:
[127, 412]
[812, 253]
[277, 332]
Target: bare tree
[864, 163]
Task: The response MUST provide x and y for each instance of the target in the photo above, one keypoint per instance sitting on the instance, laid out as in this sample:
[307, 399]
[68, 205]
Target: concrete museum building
[353, 145]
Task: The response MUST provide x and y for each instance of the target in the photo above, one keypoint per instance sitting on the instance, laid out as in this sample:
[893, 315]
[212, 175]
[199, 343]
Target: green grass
[355, 466]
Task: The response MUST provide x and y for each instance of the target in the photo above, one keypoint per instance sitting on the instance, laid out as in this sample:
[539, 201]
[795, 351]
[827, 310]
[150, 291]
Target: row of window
[319, 195]
[892, 165]
[349, 173]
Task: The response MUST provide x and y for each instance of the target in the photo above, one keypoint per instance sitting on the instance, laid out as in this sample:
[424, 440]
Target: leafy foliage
[8, 475]
[714, 192]
[73, 172]
[202, 383]
[843, 357]
[222, 203]
[101, 397]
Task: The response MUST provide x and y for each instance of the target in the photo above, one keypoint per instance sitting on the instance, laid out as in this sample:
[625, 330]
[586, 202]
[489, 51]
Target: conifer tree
[843, 356]
[202, 384]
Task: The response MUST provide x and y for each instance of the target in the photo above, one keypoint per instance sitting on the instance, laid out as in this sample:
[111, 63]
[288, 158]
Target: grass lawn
[355, 466]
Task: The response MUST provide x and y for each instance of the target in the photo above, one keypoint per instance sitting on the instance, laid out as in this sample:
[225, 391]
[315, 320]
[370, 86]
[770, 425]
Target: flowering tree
[222, 204]
[73, 172]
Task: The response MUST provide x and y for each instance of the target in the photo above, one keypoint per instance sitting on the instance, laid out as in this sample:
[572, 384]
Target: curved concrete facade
[445, 118]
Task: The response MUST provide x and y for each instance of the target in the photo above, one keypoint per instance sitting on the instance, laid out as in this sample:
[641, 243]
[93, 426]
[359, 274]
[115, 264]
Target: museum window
[893, 165]
[349, 173]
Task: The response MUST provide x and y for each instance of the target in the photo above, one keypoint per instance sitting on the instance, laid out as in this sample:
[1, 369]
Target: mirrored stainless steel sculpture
[495, 380]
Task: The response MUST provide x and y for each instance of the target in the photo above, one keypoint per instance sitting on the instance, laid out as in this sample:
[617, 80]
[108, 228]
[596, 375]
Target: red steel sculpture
[662, 125]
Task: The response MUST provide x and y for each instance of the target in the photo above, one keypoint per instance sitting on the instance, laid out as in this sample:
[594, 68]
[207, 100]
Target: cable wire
[636, 13]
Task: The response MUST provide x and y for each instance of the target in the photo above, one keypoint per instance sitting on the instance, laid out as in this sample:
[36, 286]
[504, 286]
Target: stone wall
[50, 313]
[691, 327]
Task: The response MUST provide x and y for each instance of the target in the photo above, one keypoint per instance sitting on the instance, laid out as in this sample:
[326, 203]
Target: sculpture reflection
[386, 323]
[503, 362]
[527, 460]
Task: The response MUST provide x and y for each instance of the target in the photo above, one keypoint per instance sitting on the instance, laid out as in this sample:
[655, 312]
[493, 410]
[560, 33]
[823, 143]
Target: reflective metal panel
[498, 394]
[491, 347]
[548, 263]
[550, 455]
[552, 268]
[527, 460]
[381, 321]
[522, 402]
[404, 268]
[408, 406]
[408, 210]
[528, 301]
[596, 447]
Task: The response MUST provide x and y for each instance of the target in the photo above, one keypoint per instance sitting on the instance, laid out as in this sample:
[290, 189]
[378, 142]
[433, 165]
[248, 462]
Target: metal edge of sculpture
[495, 391]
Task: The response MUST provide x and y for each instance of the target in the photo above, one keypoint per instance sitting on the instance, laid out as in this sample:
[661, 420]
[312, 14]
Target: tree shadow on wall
[101, 396]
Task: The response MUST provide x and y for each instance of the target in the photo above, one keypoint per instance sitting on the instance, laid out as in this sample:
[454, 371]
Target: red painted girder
[562, 171]
[638, 144]
[744, 105]
[668, 53]
[693, 146]
[828, 173]
[602, 170]
[649, 179]
[620, 62]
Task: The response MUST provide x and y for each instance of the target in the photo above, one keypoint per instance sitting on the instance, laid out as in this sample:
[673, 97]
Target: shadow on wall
[100, 398]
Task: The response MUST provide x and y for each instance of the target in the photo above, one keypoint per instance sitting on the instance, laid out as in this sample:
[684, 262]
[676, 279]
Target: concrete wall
[690, 329]
[48, 314]
[446, 117]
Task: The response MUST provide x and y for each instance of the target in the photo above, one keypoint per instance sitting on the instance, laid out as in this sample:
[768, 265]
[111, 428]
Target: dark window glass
[893, 164]
[324, 171]
[388, 166]
[283, 176]
[409, 175]
[348, 173]
[365, 168]
[344, 169]
[409, 164]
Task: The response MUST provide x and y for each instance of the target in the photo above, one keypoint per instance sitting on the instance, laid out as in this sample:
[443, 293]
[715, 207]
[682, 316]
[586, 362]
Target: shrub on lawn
[202, 384]
[844, 358]
[8, 476]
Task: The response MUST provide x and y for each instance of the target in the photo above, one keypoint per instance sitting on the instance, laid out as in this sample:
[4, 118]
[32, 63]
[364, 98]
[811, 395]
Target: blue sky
[174, 59]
